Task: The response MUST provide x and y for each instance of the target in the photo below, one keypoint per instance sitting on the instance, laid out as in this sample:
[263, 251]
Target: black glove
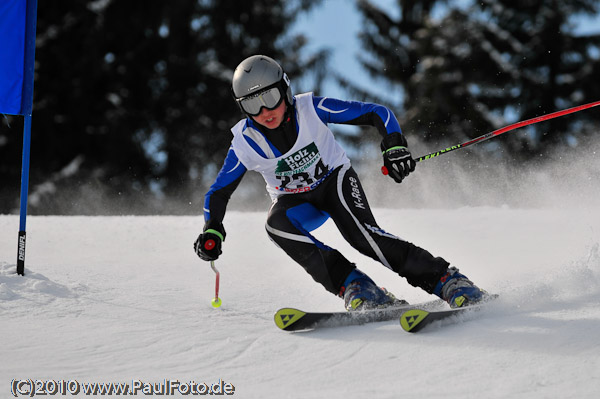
[397, 160]
[208, 244]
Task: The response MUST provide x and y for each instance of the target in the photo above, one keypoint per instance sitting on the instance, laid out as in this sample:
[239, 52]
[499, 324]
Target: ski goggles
[269, 99]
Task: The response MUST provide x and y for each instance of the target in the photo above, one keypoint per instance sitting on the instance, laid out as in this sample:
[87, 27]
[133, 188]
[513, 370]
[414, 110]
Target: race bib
[301, 171]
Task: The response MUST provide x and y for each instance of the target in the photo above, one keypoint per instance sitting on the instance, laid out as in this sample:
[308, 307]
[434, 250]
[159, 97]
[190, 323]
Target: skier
[310, 179]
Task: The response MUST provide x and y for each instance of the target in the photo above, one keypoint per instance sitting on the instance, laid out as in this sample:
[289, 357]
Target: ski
[414, 320]
[290, 319]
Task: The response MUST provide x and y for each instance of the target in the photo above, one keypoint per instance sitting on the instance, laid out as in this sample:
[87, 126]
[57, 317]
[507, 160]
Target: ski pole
[508, 128]
[216, 302]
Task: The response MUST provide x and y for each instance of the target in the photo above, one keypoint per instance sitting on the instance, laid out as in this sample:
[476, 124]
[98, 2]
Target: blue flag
[13, 21]
[18, 19]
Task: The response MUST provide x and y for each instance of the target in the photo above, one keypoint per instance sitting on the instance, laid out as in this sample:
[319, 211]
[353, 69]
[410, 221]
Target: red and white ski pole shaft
[508, 128]
[212, 266]
[216, 302]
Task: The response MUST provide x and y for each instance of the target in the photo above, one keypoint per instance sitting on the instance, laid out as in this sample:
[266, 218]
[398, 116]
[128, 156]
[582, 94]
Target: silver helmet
[259, 81]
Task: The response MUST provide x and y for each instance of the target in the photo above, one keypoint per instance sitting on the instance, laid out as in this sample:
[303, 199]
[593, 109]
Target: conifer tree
[133, 97]
[477, 67]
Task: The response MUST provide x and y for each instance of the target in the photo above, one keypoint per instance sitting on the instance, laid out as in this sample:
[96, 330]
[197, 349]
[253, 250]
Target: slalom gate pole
[26, 111]
[22, 237]
[508, 128]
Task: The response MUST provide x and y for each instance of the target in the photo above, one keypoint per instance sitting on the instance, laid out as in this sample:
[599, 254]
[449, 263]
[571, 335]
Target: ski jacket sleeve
[331, 110]
[228, 179]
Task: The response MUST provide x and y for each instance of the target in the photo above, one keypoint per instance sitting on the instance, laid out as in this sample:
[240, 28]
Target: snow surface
[116, 299]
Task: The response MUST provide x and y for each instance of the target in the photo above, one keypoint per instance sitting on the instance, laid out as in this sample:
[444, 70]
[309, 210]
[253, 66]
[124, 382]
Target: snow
[121, 299]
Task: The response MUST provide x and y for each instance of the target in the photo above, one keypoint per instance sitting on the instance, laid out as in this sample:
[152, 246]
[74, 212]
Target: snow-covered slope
[122, 299]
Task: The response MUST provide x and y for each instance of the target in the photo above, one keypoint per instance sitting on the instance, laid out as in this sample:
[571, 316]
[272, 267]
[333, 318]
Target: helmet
[259, 81]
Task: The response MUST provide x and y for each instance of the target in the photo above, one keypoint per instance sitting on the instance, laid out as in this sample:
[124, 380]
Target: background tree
[132, 98]
[476, 67]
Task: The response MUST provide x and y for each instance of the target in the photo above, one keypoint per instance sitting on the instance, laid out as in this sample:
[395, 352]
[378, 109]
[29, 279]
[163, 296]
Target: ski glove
[208, 244]
[397, 160]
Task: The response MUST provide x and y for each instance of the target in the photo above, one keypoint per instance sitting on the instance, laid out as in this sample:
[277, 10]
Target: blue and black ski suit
[310, 179]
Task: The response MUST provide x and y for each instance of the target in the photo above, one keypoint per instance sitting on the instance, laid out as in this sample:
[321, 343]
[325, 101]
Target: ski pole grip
[384, 170]
[209, 244]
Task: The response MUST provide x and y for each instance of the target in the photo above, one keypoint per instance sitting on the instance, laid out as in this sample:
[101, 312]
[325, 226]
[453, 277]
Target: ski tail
[415, 320]
[286, 318]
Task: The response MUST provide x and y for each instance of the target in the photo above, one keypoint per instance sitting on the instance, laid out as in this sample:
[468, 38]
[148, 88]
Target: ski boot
[456, 289]
[361, 293]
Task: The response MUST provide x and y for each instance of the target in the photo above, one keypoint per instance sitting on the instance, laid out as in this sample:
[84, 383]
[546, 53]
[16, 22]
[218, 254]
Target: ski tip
[286, 317]
[411, 319]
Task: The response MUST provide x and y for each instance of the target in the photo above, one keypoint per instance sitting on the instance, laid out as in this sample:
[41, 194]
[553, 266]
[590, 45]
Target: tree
[557, 68]
[132, 98]
[486, 64]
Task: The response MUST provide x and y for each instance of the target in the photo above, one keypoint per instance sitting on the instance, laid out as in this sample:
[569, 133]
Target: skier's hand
[208, 244]
[397, 160]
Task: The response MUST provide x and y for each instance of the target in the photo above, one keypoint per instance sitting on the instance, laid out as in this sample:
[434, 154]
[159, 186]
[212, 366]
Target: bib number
[303, 179]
